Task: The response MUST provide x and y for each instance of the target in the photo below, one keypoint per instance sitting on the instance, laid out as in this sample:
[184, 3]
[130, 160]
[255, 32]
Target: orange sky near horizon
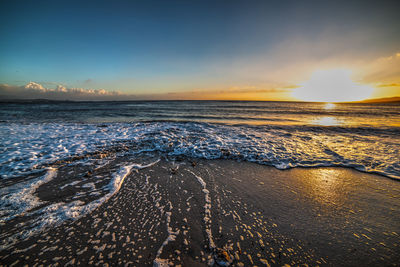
[327, 81]
[327, 84]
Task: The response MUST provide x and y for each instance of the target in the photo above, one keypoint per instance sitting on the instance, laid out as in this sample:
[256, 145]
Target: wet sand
[196, 213]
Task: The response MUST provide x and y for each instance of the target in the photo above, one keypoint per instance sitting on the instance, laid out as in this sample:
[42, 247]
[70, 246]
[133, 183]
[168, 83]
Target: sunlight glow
[334, 85]
[329, 106]
[326, 121]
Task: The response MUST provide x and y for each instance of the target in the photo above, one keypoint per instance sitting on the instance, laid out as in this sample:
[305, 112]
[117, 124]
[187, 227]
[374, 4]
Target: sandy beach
[222, 212]
[200, 133]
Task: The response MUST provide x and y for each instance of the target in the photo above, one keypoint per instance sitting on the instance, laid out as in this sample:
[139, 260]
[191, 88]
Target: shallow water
[39, 140]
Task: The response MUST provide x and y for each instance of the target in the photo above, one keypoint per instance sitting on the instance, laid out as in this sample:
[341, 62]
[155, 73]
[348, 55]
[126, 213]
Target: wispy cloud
[389, 85]
[384, 70]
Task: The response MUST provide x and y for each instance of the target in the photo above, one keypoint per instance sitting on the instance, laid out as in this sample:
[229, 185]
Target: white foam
[30, 146]
[139, 166]
[89, 185]
[77, 209]
[70, 184]
[207, 209]
[159, 262]
[24, 200]
[21, 197]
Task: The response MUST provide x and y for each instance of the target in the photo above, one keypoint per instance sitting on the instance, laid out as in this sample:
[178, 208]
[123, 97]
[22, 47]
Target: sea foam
[27, 148]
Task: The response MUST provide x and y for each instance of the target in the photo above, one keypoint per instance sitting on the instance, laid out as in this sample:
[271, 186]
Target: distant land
[380, 100]
[395, 99]
[34, 100]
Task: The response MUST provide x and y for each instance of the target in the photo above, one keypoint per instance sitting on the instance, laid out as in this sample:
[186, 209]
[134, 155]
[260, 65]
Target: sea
[40, 138]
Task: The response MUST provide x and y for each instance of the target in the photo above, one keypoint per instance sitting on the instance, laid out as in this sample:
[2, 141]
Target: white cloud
[34, 90]
[61, 88]
[35, 86]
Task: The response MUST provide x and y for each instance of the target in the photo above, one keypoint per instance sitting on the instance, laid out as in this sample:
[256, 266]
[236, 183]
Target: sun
[333, 85]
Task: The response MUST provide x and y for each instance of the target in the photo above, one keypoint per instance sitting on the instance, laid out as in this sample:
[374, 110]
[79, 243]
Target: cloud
[384, 70]
[35, 86]
[33, 90]
[389, 85]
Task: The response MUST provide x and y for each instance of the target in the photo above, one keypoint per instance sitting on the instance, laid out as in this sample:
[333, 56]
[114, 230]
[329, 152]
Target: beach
[200, 133]
[193, 212]
[208, 183]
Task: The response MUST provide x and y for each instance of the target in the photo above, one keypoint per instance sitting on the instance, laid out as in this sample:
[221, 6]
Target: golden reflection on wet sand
[324, 185]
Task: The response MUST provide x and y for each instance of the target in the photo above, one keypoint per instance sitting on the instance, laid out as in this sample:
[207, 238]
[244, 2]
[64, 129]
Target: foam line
[207, 209]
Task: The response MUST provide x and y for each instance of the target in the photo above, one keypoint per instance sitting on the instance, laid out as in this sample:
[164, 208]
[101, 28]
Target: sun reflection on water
[329, 106]
[326, 121]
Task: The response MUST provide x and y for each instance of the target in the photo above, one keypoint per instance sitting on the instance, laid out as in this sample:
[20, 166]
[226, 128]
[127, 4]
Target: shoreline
[201, 212]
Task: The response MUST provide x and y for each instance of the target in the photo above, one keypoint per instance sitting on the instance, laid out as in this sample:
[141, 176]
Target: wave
[28, 147]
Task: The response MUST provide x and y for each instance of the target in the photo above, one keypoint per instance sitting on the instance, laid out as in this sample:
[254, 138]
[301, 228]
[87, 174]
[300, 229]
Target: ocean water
[40, 141]
[281, 134]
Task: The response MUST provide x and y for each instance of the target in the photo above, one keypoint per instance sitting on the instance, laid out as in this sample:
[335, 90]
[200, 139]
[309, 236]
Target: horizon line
[368, 100]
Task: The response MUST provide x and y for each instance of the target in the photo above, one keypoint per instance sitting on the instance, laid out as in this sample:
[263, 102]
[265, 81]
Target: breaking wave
[27, 148]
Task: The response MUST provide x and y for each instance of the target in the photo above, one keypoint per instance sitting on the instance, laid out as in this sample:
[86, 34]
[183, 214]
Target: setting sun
[334, 85]
[200, 133]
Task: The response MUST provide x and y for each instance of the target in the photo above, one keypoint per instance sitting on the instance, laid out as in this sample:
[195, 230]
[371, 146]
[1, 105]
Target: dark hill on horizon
[381, 100]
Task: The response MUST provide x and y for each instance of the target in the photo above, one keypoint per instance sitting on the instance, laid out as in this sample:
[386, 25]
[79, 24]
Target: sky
[234, 50]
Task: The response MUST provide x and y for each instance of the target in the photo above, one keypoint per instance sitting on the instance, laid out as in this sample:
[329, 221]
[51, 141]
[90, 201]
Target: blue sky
[161, 47]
